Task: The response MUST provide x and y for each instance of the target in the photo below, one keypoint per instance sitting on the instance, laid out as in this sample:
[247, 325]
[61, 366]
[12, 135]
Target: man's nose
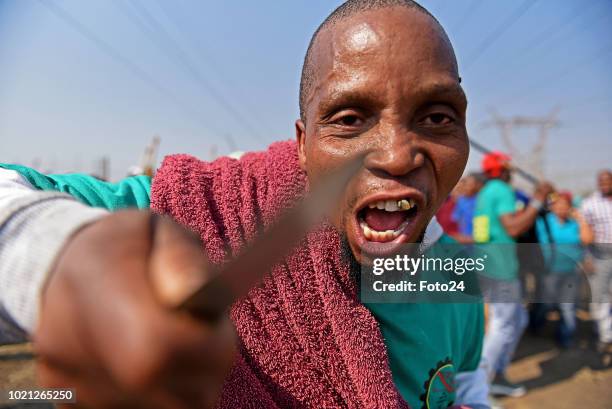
[395, 152]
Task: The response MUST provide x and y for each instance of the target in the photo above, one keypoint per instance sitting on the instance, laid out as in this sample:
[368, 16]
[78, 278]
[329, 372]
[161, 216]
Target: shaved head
[344, 11]
[380, 84]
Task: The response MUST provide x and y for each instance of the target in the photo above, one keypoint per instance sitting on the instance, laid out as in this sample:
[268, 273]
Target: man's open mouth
[385, 220]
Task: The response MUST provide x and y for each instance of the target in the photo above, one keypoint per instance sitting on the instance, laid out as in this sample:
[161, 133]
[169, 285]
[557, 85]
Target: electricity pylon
[530, 157]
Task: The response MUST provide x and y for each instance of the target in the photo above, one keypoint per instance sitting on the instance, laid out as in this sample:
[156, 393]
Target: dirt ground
[558, 379]
[579, 377]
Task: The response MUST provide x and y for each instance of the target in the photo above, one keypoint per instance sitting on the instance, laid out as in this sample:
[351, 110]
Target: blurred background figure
[597, 211]
[446, 211]
[562, 248]
[498, 222]
[465, 205]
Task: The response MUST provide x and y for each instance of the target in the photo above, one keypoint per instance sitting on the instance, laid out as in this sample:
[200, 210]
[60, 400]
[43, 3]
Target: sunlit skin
[387, 87]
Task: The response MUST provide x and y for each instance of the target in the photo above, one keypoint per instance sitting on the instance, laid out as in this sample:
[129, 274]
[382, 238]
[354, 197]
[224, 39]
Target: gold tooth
[404, 204]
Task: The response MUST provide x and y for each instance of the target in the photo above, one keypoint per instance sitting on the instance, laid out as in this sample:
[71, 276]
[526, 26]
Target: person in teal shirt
[497, 223]
[562, 246]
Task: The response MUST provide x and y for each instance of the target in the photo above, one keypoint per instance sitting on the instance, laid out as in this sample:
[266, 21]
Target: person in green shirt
[380, 83]
[497, 223]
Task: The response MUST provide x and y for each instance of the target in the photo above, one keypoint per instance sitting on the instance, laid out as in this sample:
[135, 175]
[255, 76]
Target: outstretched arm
[38, 213]
[33, 227]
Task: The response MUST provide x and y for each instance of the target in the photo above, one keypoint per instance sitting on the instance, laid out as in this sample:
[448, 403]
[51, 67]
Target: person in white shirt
[597, 210]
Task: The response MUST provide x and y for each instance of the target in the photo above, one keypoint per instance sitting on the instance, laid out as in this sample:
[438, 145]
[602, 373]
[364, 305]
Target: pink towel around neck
[305, 339]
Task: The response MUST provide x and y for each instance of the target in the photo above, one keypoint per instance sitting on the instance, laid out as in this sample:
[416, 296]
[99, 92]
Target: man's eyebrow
[446, 89]
[348, 97]
[342, 97]
[441, 88]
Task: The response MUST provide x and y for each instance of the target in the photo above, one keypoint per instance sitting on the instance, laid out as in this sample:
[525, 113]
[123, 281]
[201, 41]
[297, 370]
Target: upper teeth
[393, 205]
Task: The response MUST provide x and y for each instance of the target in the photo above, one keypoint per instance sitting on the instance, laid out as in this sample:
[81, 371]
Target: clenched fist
[108, 327]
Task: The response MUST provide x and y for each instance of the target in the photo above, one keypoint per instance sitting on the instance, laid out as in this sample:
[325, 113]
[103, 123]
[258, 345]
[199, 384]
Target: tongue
[381, 220]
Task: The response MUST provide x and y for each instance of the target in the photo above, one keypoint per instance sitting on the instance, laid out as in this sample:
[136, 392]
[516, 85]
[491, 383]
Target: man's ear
[300, 136]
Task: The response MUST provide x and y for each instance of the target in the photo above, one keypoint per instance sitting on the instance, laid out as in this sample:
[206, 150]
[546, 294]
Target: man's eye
[349, 120]
[438, 119]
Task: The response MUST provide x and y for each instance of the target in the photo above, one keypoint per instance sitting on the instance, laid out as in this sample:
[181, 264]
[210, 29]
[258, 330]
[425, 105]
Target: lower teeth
[381, 236]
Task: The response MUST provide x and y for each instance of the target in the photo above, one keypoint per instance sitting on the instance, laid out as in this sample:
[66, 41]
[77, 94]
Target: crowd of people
[573, 247]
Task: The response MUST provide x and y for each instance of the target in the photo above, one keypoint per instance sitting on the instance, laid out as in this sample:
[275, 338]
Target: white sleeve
[34, 226]
[472, 389]
[12, 186]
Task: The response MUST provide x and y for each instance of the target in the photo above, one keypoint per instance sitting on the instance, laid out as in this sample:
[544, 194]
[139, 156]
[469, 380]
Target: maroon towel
[305, 340]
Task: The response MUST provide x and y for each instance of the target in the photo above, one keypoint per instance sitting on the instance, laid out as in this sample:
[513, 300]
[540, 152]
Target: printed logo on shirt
[440, 387]
[482, 233]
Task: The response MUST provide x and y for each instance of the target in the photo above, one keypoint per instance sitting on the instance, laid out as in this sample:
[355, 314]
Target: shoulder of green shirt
[131, 192]
[500, 196]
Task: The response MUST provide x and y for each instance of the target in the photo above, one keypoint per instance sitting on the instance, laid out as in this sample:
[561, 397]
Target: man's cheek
[452, 174]
[340, 217]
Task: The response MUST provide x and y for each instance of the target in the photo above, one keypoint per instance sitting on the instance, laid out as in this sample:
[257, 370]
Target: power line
[548, 32]
[545, 35]
[204, 55]
[178, 55]
[136, 70]
[603, 51]
[456, 28]
[499, 31]
[539, 84]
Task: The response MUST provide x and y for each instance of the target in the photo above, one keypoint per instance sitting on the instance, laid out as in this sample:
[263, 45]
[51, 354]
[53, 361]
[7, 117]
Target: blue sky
[83, 79]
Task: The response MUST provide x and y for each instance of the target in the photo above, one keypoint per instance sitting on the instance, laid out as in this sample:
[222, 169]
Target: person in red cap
[494, 164]
[498, 222]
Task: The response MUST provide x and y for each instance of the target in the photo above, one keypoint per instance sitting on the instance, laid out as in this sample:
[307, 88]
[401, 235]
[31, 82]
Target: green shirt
[496, 199]
[427, 343]
[133, 191]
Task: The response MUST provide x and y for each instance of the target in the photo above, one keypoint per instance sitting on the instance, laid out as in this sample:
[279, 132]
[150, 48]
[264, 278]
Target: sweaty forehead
[394, 41]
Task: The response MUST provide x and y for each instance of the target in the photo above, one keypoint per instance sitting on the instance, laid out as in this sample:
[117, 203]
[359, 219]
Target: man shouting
[380, 85]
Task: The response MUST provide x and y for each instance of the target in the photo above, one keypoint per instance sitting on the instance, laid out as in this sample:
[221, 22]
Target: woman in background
[562, 235]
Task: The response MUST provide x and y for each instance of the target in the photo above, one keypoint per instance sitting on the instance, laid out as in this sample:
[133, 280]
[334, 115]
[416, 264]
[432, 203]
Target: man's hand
[519, 222]
[134, 315]
[106, 327]
[542, 190]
